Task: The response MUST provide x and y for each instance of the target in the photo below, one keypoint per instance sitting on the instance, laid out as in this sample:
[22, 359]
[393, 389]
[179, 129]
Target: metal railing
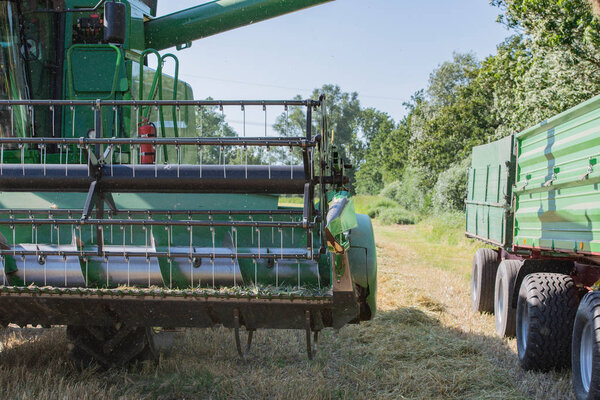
[96, 165]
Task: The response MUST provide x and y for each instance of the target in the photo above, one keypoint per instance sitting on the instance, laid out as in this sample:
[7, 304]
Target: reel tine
[298, 274]
[32, 111]
[178, 150]
[12, 121]
[265, 110]
[244, 119]
[255, 273]
[224, 163]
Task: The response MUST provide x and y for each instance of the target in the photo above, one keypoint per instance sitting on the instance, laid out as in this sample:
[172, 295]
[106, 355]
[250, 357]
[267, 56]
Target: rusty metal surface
[174, 308]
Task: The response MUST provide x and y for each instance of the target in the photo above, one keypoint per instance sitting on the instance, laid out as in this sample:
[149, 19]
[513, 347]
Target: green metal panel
[95, 70]
[489, 192]
[557, 191]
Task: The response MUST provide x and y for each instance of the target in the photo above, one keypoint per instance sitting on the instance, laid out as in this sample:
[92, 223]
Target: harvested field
[425, 343]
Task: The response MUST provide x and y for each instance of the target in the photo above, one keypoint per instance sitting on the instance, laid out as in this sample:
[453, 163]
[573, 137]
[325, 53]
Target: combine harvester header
[119, 212]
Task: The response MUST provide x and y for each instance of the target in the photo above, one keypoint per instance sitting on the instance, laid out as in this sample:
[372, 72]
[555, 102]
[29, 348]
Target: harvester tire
[111, 347]
[483, 279]
[545, 314]
[585, 358]
[504, 312]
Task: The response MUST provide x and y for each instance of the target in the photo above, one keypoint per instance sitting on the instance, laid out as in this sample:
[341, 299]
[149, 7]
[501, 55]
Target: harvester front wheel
[585, 359]
[483, 279]
[504, 312]
[545, 313]
[111, 346]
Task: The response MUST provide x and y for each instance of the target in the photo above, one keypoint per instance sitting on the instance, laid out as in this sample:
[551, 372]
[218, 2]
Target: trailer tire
[483, 279]
[504, 312]
[585, 352]
[110, 347]
[545, 314]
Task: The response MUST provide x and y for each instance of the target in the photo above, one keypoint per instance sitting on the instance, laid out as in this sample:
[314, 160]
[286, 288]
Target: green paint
[215, 17]
[557, 189]
[94, 70]
[556, 186]
[489, 191]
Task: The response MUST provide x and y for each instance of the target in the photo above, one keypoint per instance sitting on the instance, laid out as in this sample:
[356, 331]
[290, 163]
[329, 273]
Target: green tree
[556, 24]
[454, 114]
[343, 119]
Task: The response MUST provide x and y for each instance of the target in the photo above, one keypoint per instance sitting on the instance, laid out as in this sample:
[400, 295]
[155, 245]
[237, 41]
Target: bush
[410, 192]
[379, 205]
[450, 191]
[397, 215]
[389, 212]
[392, 190]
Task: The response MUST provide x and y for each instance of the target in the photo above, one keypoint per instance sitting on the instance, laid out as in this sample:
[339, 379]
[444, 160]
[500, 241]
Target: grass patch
[386, 210]
[447, 228]
[362, 203]
[291, 201]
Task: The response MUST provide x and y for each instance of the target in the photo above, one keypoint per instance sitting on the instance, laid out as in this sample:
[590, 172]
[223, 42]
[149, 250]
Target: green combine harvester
[114, 220]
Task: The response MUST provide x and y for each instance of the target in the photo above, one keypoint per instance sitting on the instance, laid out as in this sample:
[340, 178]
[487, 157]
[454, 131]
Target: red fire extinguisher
[147, 153]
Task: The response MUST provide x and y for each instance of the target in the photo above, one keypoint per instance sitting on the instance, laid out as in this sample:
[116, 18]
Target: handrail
[157, 88]
[175, 84]
[156, 81]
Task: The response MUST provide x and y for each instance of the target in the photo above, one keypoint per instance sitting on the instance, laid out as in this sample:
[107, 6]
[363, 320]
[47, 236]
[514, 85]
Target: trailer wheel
[545, 313]
[585, 359]
[503, 310]
[110, 347]
[483, 277]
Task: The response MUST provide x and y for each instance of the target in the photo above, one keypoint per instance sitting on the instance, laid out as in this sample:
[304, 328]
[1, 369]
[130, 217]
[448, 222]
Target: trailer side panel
[491, 176]
[557, 194]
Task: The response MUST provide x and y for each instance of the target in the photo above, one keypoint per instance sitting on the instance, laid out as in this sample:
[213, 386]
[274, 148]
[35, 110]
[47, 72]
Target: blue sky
[382, 49]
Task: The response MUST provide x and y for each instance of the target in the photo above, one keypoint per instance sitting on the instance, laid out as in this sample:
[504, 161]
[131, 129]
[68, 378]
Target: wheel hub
[500, 303]
[523, 328]
[585, 356]
[474, 280]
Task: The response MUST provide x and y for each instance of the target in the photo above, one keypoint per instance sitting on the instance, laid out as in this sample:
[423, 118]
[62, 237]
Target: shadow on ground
[402, 353]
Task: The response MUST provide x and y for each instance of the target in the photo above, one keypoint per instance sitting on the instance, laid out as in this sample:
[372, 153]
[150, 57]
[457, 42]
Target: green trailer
[119, 213]
[534, 198]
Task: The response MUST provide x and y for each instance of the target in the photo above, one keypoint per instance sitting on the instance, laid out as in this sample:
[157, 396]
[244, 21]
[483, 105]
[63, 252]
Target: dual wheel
[492, 287]
[553, 332]
[585, 350]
